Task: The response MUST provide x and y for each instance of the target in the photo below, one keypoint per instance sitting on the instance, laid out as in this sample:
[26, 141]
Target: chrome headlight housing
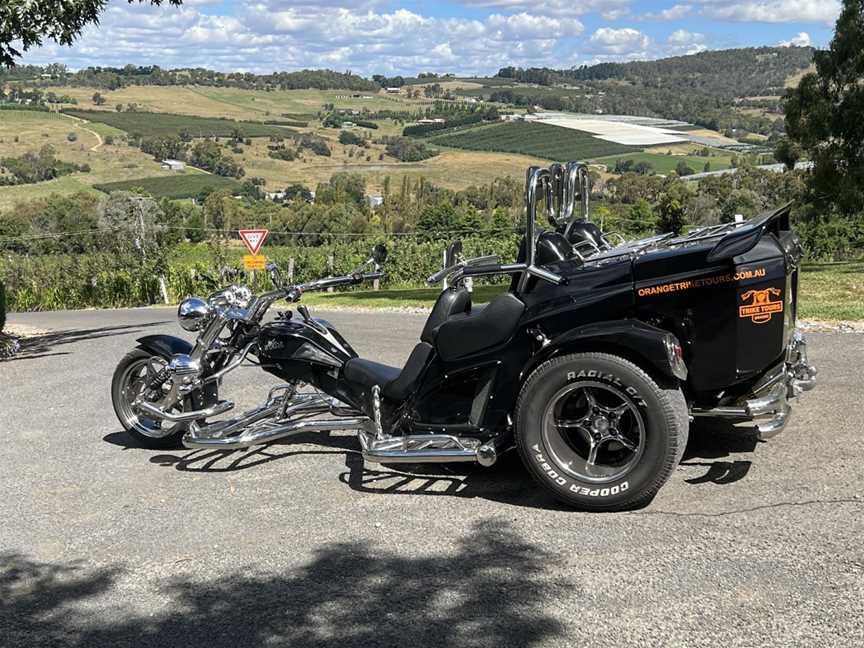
[193, 313]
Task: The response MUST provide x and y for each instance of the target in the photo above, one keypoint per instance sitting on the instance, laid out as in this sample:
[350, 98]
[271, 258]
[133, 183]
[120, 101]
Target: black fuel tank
[310, 342]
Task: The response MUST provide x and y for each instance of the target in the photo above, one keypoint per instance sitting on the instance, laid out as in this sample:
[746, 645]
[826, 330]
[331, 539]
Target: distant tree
[823, 114]
[706, 168]
[351, 139]
[683, 169]
[297, 191]
[787, 152]
[72, 136]
[671, 210]
[27, 24]
[119, 107]
[98, 99]
[643, 168]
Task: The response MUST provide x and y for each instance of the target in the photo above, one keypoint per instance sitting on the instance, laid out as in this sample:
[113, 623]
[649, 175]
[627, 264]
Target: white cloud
[802, 39]
[675, 12]
[270, 35]
[682, 41]
[626, 42]
[527, 26]
[774, 11]
[609, 9]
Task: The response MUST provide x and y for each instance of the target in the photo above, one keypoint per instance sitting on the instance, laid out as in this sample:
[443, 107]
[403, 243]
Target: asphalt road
[300, 544]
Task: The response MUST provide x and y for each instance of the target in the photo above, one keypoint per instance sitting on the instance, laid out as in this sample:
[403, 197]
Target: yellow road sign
[256, 262]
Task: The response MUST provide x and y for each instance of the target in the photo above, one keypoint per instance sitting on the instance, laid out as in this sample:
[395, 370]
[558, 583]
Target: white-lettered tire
[126, 385]
[598, 432]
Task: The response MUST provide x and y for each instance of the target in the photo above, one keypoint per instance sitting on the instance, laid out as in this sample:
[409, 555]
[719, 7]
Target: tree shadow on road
[39, 346]
[492, 590]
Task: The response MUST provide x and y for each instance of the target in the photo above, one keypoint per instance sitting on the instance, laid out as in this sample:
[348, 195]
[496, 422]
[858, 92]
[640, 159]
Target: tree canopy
[823, 114]
[29, 22]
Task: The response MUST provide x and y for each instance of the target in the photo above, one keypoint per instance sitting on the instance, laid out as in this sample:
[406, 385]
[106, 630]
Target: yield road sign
[253, 239]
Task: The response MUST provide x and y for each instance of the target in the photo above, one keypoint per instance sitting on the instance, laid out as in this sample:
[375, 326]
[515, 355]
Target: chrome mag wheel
[593, 431]
[133, 385]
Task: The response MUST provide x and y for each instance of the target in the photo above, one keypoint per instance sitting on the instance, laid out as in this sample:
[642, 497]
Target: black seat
[462, 335]
[396, 384]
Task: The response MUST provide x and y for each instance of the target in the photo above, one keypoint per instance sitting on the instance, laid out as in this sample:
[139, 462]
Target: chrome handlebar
[476, 261]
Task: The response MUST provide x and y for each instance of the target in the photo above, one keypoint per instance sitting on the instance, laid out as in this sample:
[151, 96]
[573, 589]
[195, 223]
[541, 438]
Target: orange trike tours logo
[761, 307]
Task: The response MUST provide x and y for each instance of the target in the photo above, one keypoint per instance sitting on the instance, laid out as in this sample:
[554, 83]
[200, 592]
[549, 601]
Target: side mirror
[379, 253]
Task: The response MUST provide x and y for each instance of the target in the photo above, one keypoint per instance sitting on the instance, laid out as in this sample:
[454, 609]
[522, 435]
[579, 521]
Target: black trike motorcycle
[592, 364]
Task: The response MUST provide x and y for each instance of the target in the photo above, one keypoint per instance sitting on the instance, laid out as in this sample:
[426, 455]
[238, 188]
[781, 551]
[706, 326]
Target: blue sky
[406, 37]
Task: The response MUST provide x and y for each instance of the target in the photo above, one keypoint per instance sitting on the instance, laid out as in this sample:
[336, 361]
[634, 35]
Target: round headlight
[193, 313]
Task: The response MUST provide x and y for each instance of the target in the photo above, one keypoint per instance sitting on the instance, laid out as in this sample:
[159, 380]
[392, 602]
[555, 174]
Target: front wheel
[130, 382]
[599, 432]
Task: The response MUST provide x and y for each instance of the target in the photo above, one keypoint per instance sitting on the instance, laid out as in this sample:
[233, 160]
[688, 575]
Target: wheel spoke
[592, 454]
[618, 412]
[627, 443]
[569, 423]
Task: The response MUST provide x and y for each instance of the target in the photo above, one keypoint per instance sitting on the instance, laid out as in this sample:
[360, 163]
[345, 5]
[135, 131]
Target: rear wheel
[128, 384]
[599, 432]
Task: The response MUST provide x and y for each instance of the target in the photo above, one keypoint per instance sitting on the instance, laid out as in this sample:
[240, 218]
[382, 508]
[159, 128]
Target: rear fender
[164, 346]
[651, 348]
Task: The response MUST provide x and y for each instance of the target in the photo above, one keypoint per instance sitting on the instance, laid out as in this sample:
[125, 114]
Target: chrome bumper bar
[768, 404]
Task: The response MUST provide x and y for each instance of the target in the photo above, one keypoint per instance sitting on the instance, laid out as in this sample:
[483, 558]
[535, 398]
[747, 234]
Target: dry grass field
[22, 131]
[234, 103]
[451, 169]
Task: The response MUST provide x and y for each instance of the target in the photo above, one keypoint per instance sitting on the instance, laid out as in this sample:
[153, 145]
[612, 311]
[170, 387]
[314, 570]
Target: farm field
[168, 124]
[23, 131]
[540, 140]
[181, 185]
[665, 164]
[236, 103]
[450, 169]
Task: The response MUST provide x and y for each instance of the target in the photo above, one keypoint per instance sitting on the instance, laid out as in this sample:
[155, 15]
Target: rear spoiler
[743, 239]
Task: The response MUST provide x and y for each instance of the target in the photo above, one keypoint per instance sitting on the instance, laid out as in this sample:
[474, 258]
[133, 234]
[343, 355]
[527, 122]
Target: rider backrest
[452, 301]
[584, 231]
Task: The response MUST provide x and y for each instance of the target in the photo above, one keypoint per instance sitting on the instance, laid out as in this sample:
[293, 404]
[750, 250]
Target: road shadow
[40, 346]
[710, 445]
[492, 590]
[507, 482]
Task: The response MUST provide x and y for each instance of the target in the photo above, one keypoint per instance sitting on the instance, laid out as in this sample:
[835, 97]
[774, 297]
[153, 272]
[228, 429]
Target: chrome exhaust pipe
[274, 432]
[158, 413]
[431, 448]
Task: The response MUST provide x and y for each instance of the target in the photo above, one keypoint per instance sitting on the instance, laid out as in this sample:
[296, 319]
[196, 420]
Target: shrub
[72, 137]
[282, 153]
[351, 139]
[406, 150]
